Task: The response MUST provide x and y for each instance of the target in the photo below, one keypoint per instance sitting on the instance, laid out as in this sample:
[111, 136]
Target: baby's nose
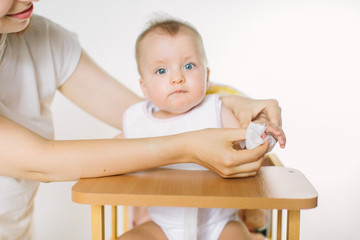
[178, 79]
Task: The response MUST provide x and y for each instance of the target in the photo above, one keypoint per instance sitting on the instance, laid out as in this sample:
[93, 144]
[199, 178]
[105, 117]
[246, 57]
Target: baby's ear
[143, 88]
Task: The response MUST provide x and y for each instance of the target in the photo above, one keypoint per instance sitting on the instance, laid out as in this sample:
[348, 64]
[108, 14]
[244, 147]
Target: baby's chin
[184, 107]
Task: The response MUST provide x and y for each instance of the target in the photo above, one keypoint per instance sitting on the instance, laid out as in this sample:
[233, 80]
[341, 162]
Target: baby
[174, 78]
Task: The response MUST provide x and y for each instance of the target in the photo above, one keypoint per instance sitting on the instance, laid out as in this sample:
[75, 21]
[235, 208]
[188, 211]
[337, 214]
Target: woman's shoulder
[45, 33]
[37, 19]
[45, 25]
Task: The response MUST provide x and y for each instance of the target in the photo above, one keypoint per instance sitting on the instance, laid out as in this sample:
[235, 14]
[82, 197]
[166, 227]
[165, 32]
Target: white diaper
[209, 222]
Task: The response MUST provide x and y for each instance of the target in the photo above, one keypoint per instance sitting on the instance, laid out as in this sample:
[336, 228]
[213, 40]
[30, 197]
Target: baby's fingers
[277, 133]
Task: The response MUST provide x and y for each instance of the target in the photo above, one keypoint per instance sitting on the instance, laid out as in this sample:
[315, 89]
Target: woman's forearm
[70, 160]
[24, 154]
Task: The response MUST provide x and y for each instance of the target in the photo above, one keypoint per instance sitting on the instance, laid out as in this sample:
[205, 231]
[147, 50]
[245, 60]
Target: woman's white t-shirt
[34, 64]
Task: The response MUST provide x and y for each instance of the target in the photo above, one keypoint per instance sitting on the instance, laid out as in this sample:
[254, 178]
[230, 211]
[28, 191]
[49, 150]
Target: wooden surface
[97, 222]
[271, 188]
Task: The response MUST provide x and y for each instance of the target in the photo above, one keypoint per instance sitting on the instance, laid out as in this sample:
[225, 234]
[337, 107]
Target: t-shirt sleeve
[66, 52]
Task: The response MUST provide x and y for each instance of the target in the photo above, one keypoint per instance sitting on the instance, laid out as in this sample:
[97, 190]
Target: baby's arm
[228, 118]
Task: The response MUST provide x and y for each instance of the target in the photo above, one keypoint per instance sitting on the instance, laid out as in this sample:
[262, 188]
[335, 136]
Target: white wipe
[253, 137]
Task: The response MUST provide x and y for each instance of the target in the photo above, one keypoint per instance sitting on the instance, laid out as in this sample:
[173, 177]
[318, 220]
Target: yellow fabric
[222, 90]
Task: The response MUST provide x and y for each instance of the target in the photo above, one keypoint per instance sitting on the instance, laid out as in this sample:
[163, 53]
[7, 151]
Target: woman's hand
[214, 149]
[247, 109]
[265, 111]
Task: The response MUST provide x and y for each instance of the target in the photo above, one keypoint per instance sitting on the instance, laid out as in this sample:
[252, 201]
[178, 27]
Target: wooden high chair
[274, 187]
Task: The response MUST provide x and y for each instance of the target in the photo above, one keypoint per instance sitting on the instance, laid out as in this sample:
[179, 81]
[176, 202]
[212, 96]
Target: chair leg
[279, 224]
[97, 222]
[293, 225]
[270, 234]
[114, 222]
[126, 218]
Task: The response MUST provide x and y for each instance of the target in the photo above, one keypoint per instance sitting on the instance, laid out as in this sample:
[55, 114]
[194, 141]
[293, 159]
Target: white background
[304, 53]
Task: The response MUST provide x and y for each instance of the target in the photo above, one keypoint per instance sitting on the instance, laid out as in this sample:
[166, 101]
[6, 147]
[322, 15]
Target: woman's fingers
[214, 150]
[240, 163]
[273, 111]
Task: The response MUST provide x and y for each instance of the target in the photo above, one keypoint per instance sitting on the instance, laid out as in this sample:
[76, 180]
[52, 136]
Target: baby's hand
[271, 129]
[276, 132]
[257, 134]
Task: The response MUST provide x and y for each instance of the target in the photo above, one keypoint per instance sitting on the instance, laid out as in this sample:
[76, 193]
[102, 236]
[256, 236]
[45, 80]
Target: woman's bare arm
[98, 93]
[24, 154]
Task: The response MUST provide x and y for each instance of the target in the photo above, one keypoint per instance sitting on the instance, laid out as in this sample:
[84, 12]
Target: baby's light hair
[169, 26]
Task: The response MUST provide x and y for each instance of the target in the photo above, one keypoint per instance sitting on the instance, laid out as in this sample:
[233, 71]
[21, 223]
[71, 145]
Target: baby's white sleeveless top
[139, 123]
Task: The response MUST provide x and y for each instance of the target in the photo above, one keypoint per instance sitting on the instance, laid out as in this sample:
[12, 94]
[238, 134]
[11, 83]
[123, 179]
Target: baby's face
[173, 70]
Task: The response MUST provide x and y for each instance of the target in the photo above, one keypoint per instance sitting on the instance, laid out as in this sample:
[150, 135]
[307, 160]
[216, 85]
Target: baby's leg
[235, 230]
[148, 230]
[256, 220]
[140, 215]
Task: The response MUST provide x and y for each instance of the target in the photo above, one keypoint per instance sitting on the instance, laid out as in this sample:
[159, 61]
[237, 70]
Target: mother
[39, 58]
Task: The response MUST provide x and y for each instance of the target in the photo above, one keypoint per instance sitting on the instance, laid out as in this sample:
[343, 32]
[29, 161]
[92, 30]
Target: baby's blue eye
[161, 71]
[189, 66]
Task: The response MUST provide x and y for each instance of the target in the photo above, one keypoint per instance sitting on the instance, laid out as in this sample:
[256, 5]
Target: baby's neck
[165, 114]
